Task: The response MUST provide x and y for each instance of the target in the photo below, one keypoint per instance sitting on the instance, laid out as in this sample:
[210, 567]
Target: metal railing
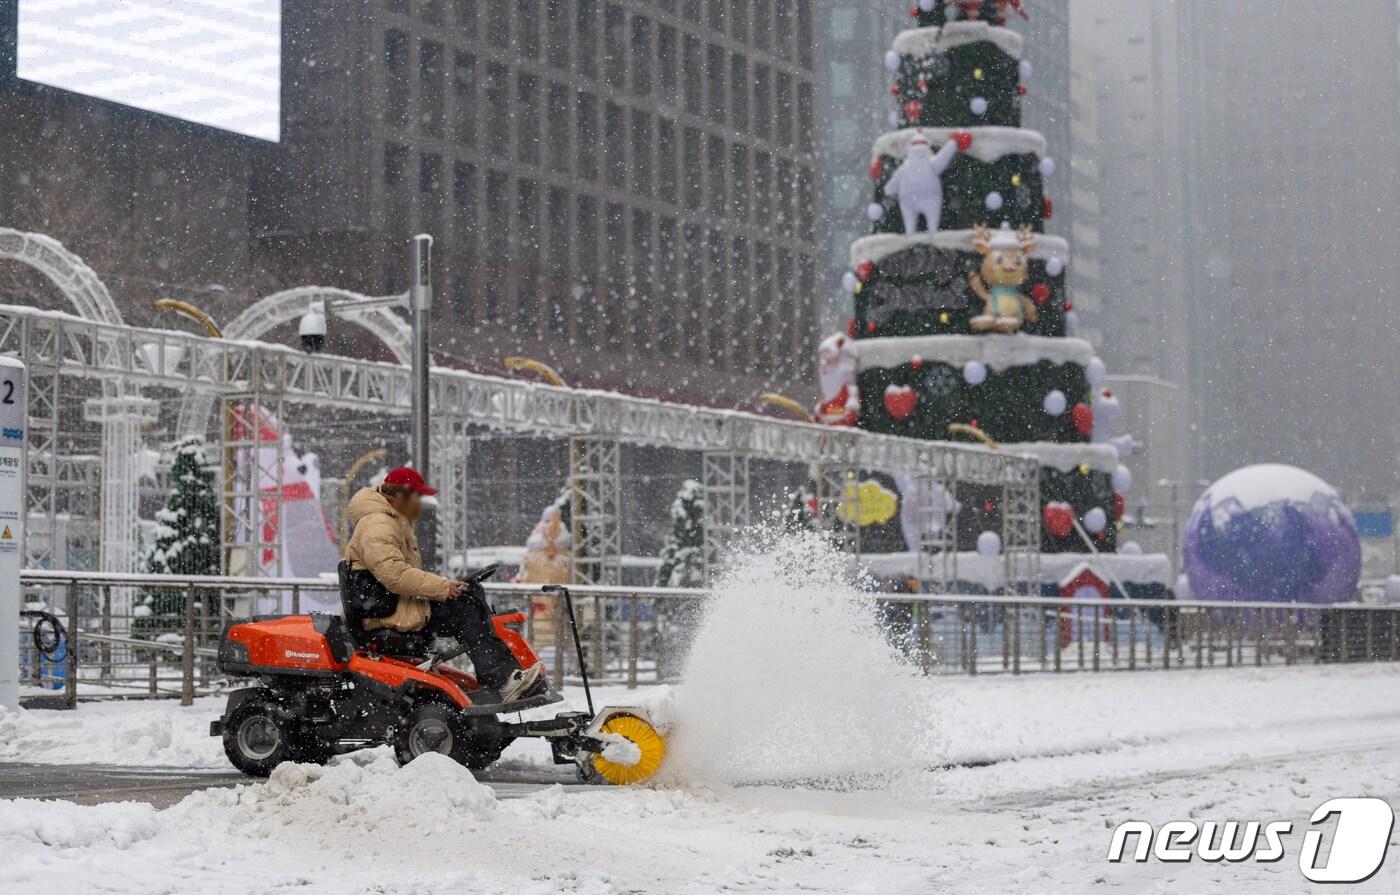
[157, 636]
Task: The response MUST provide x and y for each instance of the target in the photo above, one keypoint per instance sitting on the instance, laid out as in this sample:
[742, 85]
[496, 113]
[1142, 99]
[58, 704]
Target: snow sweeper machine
[326, 686]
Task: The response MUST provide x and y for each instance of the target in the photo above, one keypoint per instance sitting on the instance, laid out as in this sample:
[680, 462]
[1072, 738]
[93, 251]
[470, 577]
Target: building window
[692, 169]
[666, 161]
[639, 299]
[527, 22]
[430, 70]
[691, 75]
[615, 46]
[641, 55]
[586, 27]
[739, 84]
[806, 123]
[669, 322]
[718, 190]
[615, 146]
[740, 307]
[666, 62]
[717, 295]
[806, 203]
[614, 306]
[498, 23]
[464, 96]
[498, 104]
[739, 172]
[464, 199]
[762, 23]
[805, 39]
[715, 19]
[497, 285]
[527, 119]
[432, 12]
[714, 80]
[587, 107]
[586, 295]
[466, 17]
[762, 102]
[696, 298]
[556, 17]
[782, 29]
[396, 76]
[784, 194]
[782, 102]
[430, 174]
[557, 261]
[739, 20]
[641, 152]
[395, 160]
[558, 137]
[763, 189]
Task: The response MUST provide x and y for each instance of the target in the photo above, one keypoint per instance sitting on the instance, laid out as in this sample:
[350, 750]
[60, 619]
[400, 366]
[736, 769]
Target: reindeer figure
[998, 284]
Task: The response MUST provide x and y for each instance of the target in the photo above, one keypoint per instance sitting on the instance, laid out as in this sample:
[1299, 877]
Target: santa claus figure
[836, 364]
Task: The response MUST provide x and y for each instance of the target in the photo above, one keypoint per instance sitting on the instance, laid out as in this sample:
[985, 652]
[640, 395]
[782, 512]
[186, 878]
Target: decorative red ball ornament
[963, 139]
[900, 401]
[974, 424]
[1049, 208]
[894, 90]
[923, 85]
[877, 168]
[1119, 506]
[1069, 305]
[865, 270]
[917, 362]
[851, 328]
[1021, 89]
[988, 507]
[1083, 416]
[914, 12]
[1059, 519]
[870, 327]
[913, 110]
[1041, 293]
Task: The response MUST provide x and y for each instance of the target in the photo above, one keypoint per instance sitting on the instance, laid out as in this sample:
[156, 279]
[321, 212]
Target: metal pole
[187, 655]
[70, 677]
[420, 302]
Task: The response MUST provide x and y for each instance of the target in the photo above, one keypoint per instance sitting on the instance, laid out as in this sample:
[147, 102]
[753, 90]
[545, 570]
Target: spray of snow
[790, 681]
[621, 750]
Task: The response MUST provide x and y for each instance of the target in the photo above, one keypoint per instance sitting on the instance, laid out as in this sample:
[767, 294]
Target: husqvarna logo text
[293, 654]
[1357, 848]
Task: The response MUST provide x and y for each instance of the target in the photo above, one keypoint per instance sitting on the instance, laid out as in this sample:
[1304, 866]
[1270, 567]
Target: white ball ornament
[1025, 70]
[927, 5]
[989, 544]
[849, 281]
[1131, 548]
[1095, 520]
[1047, 167]
[893, 119]
[1122, 480]
[974, 372]
[874, 211]
[1055, 266]
[995, 201]
[1071, 322]
[1095, 371]
[1055, 403]
[892, 60]
[978, 106]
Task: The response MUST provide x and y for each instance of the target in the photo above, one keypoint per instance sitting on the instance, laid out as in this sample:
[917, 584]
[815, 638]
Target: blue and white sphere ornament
[1055, 266]
[927, 5]
[989, 544]
[1272, 533]
[1047, 167]
[874, 211]
[995, 201]
[978, 106]
[1122, 479]
[974, 372]
[1055, 403]
[1025, 69]
[1071, 322]
[892, 60]
[849, 281]
[893, 119]
[1095, 371]
[1096, 520]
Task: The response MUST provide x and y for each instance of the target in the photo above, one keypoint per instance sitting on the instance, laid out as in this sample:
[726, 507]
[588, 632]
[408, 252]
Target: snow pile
[790, 681]
[148, 734]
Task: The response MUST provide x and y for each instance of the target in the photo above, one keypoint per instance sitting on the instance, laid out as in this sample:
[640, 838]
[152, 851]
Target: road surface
[94, 784]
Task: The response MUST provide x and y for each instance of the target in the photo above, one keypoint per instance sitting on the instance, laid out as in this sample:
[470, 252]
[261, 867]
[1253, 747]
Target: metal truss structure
[725, 477]
[96, 359]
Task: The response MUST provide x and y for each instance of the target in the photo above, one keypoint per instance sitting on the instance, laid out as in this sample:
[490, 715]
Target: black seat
[385, 641]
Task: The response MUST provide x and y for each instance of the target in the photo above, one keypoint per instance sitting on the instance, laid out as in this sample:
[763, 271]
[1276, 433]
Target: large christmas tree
[961, 314]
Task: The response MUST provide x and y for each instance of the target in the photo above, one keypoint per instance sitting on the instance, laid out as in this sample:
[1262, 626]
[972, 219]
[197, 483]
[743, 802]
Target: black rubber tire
[257, 738]
[432, 727]
[475, 743]
[307, 749]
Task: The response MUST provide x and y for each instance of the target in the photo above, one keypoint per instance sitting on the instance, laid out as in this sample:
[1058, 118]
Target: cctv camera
[313, 329]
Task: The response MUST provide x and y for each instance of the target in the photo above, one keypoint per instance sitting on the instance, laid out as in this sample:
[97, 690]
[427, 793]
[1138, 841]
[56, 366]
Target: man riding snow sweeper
[377, 674]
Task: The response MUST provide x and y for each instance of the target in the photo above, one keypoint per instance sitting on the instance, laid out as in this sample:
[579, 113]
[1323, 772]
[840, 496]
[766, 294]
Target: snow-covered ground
[804, 758]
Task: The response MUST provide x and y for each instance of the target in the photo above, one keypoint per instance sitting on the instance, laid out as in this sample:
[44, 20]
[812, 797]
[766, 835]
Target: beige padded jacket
[384, 543]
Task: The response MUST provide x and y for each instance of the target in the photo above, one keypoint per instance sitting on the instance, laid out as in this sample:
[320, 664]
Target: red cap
[407, 477]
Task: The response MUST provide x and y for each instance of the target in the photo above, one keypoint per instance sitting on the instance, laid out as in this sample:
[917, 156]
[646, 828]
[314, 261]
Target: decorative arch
[79, 283]
[270, 312]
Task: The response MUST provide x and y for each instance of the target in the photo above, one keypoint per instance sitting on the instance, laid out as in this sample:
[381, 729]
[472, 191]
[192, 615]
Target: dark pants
[468, 621]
